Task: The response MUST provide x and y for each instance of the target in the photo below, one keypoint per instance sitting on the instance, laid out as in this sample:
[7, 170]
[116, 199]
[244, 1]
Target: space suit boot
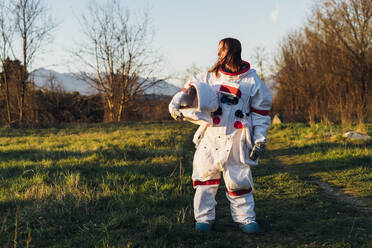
[251, 227]
[203, 227]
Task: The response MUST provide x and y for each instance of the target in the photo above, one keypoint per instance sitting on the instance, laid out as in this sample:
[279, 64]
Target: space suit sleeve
[174, 105]
[175, 102]
[261, 102]
[203, 102]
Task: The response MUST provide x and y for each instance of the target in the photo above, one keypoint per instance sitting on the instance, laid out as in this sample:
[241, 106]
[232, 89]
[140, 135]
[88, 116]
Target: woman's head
[229, 56]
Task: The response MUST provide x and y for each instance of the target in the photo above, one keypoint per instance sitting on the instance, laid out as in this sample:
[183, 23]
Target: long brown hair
[229, 56]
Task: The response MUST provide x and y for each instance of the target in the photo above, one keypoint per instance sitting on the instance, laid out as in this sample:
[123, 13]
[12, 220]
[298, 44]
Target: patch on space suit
[230, 89]
[238, 125]
[216, 120]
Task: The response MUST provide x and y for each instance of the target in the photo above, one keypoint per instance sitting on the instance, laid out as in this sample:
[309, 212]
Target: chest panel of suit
[233, 97]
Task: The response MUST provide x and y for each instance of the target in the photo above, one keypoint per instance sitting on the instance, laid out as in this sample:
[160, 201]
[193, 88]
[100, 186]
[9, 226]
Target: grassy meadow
[130, 185]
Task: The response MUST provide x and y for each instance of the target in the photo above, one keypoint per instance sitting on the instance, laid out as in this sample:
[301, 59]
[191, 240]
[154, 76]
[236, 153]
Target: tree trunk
[121, 108]
[7, 98]
[111, 110]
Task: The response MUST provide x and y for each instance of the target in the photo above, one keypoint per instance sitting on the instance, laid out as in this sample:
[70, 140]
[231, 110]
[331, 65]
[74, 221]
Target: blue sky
[187, 32]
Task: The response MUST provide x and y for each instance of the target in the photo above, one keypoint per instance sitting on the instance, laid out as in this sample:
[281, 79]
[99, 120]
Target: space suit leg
[239, 189]
[242, 207]
[205, 203]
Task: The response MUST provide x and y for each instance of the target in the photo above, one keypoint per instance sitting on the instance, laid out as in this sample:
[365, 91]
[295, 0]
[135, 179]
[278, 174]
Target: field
[130, 185]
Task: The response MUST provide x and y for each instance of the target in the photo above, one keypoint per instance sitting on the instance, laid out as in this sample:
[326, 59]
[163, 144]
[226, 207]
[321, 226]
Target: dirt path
[284, 162]
[342, 197]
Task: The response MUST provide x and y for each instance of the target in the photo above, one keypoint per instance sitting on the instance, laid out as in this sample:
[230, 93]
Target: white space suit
[233, 119]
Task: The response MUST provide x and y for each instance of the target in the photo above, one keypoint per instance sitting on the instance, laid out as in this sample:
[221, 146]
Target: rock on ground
[356, 136]
[276, 120]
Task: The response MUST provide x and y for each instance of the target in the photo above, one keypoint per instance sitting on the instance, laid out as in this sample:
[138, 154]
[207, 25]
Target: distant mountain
[42, 77]
[162, 88]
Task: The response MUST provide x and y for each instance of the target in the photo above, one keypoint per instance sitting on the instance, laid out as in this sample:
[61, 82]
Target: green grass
[130, 186]
[310, 153]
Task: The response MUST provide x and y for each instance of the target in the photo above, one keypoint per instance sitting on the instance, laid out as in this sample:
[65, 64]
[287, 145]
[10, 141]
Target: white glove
[176, 114]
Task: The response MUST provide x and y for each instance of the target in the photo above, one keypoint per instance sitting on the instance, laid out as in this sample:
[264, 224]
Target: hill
[70, 83]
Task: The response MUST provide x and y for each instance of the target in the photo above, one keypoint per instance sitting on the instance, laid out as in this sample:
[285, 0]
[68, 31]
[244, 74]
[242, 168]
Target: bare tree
[33, 27]
[259, 58]
[24, 27]
[349, 22]
[188, 73]
[117, 52]
[6, 31]
[324, 70]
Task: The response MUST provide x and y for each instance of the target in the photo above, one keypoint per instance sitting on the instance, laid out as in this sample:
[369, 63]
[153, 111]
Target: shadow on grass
[144, 220]
[146, 203]
[158, 212]
[163, 218]
[313, 220]
[129, 152]
[135, 172]
[323, 147]
[330, 165]
[70, 129]
[304, 169]
[115, 220]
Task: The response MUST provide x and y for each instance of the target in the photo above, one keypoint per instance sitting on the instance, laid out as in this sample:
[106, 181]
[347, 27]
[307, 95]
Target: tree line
[52, 104]
[324, 69]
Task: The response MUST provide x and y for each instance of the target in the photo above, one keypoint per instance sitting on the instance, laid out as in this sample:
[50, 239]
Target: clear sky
[187, 31]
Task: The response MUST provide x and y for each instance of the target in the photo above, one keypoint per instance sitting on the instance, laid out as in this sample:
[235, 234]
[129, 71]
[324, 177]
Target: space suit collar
[248, 66]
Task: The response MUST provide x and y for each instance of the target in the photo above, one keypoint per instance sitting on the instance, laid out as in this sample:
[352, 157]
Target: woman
[230, 139]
